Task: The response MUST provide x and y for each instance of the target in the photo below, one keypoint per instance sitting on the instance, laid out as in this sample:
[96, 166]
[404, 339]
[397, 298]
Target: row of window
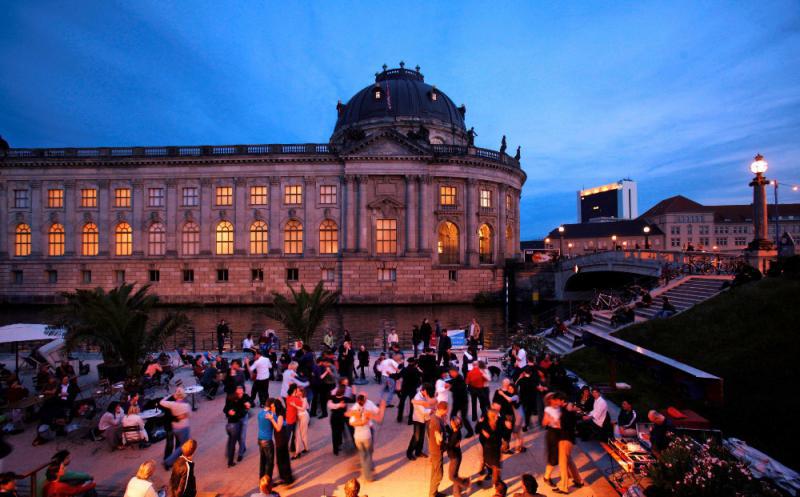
[222, 275]
[705, 242]
[705, 230]
[223, 197]
[385, 239]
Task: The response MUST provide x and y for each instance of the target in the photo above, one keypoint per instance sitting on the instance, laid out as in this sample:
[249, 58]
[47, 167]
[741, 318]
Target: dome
[401, 96]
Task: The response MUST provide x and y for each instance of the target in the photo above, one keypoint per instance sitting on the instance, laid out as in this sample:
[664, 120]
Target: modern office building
[399, 206]
[611, 202]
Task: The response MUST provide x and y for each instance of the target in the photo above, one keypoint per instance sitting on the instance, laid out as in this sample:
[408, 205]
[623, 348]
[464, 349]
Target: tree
[303, 314]
[116, 322]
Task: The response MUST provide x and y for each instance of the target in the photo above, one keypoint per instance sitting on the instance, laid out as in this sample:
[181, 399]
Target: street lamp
[546, 242]
[777, 217]
[646, 230]
[569, 249]
[561, 240]
[614, 242]
[760, 240]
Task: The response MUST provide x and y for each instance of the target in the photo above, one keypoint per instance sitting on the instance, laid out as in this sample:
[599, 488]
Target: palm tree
[116, 322]
[304, 313]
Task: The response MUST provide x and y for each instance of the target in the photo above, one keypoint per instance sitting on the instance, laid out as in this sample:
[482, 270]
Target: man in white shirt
[593, 424]
[423, 402]
[388, 368]
[248, 343]
[260, 366]
[362, 415]
[522, 359]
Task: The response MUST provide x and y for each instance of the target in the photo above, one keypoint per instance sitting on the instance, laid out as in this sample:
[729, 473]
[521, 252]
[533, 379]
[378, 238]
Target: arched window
[485, 245]
[258, 238]
[190, 239]
[293, 238]
[89, 239]
[224, 238]
[157, 240]
[22, 240]
[123, 239]
[448, 243]
[55, 240]
[328, 237]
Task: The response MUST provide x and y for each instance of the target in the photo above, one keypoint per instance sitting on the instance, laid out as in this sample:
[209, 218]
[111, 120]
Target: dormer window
[376, 92]
[433, 94]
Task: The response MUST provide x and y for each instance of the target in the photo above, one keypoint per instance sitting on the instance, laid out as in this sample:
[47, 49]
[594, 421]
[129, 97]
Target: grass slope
[750, 336]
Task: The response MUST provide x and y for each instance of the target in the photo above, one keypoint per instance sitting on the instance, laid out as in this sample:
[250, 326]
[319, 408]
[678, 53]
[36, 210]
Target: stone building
[399, 206]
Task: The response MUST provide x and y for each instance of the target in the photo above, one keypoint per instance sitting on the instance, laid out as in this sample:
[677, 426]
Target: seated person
[132, 418]
[660, 432]
[626, 421]
[209, 380]
[667, 309]
[596, 425]
[52, 420]
[56, 488]
[51, 387]
[67, 391]
[152, 371]
[16, 391]
[647, 299]
[109, 424]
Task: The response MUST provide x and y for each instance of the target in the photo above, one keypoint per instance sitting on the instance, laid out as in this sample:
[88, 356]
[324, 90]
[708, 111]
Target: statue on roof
[518, 154]
[4, 147]
[503, 145]
[471, 134]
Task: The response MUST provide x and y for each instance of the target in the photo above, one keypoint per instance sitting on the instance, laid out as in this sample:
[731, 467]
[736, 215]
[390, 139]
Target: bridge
[575, 273]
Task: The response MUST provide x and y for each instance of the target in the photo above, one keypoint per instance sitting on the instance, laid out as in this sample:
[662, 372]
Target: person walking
[425, 330]
[436, 447]
[222, 333]
[416, 339]
[458, 392]
[236, 407]
[552, 423]
[282, 439]
[410, 378]
[182, 480]
[443, 347]
[453, 446]
[347, 361]
[477, 381]
[180, 411]
[362, 416]
[337, 406]
[492, 431]
[269, 423]
[388, 369]
[423, 402]
[363, 360]
[261, 367]
[566, 440]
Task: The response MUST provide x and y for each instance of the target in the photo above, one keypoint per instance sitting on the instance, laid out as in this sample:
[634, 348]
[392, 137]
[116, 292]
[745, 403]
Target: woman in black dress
[337, 405]
[492, 430]
[552, 422]
[282, 457]
[566, 440]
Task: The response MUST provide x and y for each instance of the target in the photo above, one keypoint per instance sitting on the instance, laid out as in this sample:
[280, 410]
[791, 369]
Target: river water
[366, 323]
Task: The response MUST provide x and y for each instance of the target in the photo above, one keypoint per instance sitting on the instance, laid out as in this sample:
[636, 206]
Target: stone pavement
[317, 473]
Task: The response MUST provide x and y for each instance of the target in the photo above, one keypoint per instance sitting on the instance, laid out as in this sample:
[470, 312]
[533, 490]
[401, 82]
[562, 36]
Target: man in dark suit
[443, 349]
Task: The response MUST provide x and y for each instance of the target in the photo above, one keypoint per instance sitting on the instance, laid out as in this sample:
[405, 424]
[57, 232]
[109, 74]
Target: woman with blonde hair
[132, 418]
[301, 445]
[552, 422]
[265, 488]
[141, 485]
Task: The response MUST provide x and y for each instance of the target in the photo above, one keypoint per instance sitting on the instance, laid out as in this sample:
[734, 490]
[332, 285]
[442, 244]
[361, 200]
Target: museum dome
[400, 96]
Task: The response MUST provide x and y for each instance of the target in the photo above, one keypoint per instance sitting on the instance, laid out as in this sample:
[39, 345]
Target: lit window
[55, 198]
[387, 274]
[386, 236]
[122, 197]
[258, 238]
[157, 240]
[55, 241]
[485, 244]
[224, 195]
[448, 243]
[258, 195]
[88, 197]
[191, 197]
[20, 199]
[190, 239]
[486, 198]
[155, 197]
[123, 239]
[447, 195]
[224, 238]
[22, 241]
[376, 92]
[328, 237]
[293, 194]
[327, 194]
[293, 238]
[89, 240]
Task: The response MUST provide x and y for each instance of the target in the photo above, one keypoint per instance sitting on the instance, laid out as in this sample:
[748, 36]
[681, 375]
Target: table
[193, 390]
[151, 413]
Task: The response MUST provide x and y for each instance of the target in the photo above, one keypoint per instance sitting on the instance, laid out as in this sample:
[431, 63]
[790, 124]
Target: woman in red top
[294, 402]
[478, 385]
[56, 488]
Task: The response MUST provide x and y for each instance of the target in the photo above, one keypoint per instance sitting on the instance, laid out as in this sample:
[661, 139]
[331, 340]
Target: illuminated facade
[611, 202]
[397, 207]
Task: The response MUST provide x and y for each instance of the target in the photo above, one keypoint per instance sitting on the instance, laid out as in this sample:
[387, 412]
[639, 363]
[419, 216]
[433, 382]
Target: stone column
[352, 207]
[4, 248]
[70, 220]
[344, 229]
[208, 225]
[38, 237]
[103, 220]
[275, 200]
[425, 224]
[240, 218]
[138, 225]
[363, 219]
[470, 213]
[171, 223]
[412, 213]
[502, 223]
[311, 218]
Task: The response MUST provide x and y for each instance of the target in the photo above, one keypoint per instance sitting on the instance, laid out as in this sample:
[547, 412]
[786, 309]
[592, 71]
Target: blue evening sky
[676, 95]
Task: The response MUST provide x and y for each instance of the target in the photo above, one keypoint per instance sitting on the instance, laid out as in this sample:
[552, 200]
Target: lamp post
[614, 242]
[760, 240]
[569, 249]
[646, 230]
[561, 241]
[777, 217]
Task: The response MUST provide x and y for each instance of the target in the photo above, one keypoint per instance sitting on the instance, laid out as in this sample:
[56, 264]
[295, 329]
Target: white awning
[24, 332]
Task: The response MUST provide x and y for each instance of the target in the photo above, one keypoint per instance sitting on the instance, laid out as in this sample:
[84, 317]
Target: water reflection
[366, 324]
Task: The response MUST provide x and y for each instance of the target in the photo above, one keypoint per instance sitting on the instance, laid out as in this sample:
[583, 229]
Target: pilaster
[275, 201]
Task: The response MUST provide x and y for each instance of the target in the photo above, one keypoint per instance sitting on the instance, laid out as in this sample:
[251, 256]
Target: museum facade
[399, 206]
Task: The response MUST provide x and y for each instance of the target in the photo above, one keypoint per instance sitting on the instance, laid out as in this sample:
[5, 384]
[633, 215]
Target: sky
[676, 95]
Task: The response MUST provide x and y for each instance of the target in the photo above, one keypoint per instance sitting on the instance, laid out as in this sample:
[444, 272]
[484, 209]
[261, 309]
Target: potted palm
[117, 323]
[304, 312]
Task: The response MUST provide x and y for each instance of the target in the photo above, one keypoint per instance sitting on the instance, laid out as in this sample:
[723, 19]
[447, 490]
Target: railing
[484, 153]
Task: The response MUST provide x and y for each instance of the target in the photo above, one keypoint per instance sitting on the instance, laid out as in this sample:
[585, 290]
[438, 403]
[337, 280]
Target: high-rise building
[611, 202]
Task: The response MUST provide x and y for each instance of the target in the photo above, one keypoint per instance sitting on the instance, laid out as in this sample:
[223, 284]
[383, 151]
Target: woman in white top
[552, 422]
[133, 419]
[301, 445]
[289, 378]
[141, 485]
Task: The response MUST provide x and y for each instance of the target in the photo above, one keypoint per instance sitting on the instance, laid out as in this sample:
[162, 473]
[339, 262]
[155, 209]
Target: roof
[25, 332]
[678, 203]
[403, 93]
[634, 227]
[733, 213]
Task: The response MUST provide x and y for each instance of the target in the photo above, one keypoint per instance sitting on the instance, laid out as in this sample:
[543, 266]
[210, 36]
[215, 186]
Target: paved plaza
[317, 473]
